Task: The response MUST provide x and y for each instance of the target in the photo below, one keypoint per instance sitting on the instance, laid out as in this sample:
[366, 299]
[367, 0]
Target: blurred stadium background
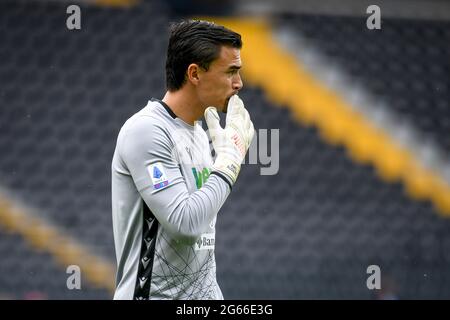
[364, 120]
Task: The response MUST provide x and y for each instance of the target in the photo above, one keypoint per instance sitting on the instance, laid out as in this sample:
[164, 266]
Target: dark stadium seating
[405, 63]
[310, 231]
[27, 274]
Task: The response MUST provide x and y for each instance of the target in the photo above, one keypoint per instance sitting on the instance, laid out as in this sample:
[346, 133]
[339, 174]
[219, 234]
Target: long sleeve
[148, 153]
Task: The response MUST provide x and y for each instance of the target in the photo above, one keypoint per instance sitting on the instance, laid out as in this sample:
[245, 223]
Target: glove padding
[232, 142]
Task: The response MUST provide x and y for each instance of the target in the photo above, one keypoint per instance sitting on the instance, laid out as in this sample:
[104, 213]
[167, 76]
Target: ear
[193, 73]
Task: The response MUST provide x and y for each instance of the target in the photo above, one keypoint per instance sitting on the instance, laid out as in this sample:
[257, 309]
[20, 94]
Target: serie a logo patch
[158, 175]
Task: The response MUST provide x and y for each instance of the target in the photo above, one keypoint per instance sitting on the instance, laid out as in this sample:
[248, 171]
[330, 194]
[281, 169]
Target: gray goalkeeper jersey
[165, 201]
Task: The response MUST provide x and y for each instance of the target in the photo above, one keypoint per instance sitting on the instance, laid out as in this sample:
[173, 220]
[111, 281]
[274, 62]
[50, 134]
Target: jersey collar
[172, 114]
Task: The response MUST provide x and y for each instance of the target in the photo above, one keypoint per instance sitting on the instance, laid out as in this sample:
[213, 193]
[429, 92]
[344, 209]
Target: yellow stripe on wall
[287, 82]
[116, 3]
[42, 236]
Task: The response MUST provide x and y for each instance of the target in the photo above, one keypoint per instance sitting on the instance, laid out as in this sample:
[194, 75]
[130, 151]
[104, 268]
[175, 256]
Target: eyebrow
[234, 67]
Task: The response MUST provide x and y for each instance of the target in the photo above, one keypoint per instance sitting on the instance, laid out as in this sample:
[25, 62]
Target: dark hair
[195, 41]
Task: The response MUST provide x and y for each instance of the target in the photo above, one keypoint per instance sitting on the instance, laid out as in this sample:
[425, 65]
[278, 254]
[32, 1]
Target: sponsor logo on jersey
[205, 242]
[158, 175]
[201, 176]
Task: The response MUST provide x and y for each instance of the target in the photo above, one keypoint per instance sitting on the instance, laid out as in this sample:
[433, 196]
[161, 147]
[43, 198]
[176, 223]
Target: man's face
[222, 80]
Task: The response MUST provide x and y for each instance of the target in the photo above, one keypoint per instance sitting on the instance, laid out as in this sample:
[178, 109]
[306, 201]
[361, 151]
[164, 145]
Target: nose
[237, 83]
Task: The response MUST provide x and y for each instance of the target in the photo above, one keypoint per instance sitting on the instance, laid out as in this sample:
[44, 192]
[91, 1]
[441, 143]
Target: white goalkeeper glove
[232, 142]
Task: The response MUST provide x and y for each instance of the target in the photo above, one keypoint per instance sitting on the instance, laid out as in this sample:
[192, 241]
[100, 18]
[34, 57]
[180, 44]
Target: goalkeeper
[166, 188]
